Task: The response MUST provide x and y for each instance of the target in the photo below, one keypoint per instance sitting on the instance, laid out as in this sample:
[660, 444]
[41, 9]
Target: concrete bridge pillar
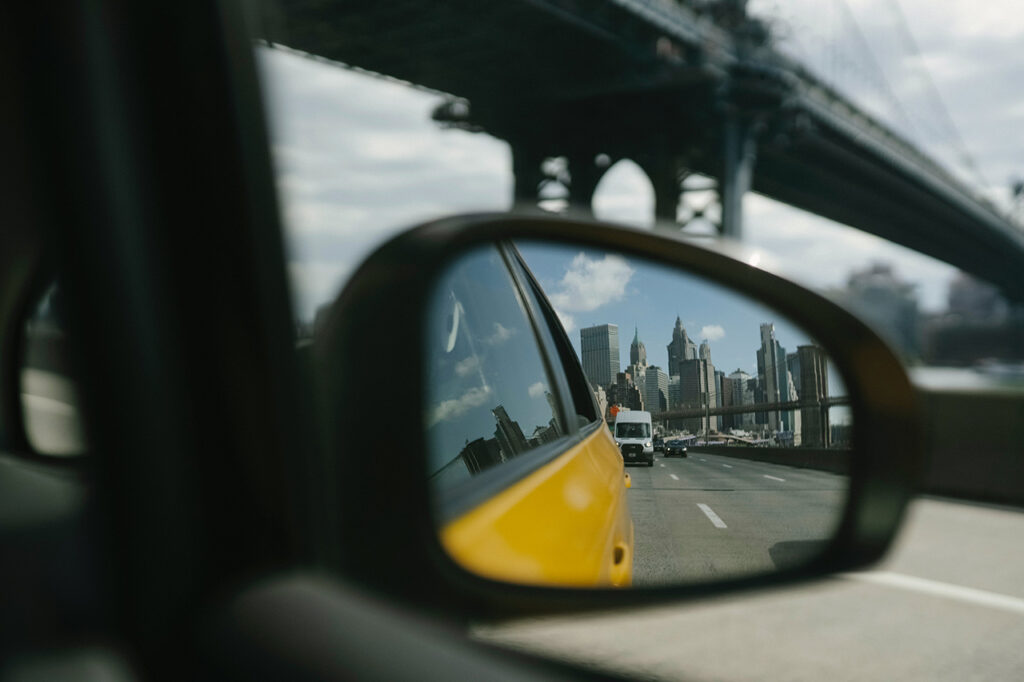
[665, 171]
[739, 154]
[579, 175]
[527, 162]
[584, 174]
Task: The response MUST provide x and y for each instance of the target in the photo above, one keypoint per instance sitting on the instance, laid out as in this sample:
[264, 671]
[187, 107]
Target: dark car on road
[675, 448]
[659, 444]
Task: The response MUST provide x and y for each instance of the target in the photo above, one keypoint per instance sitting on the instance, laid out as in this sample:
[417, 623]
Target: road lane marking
[775, 478]
[727, 466]
[715, 519]
[662, 466]
[703, 460]
[674, 477]
[939, 589]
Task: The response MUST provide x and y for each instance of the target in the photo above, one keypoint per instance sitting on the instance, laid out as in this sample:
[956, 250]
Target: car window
[573, 386]
[632, 430]
[489, 398]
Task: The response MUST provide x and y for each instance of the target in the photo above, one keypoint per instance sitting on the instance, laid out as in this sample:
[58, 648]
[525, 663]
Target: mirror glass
[594, 419]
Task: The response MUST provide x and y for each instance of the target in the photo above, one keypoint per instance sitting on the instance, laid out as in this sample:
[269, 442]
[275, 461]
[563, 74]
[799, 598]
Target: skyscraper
[697, 389]
[674, 395]
[637, 351]
[741, 393]
[655, 389]
[767, 371]
[599, 346]
[775, 381]
[680, 349]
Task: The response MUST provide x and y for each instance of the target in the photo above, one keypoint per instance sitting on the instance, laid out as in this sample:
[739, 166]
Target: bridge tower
[710, 125]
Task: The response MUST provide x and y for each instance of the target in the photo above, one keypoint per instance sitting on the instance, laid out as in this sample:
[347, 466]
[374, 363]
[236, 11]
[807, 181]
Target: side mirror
[483, 467]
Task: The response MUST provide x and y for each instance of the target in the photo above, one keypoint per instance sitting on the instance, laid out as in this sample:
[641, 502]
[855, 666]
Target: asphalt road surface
[708, 517]
[946, 604]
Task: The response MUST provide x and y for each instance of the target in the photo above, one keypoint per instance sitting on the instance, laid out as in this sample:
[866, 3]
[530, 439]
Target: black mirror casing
[370, 342]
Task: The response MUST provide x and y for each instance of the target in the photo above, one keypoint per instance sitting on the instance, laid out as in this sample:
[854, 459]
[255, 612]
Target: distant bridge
[671, 89]
[787, 406]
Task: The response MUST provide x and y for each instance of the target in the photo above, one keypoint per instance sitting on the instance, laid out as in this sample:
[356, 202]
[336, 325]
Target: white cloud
[501, 335]
[589, 284]
[567, 320]
[821, 254]
[712, 332]
[537, 390]
[358, 159]
[449, 409]
[467, 366]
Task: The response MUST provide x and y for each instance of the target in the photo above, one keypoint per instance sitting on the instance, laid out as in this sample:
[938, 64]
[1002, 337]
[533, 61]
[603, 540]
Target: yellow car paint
[565, 524]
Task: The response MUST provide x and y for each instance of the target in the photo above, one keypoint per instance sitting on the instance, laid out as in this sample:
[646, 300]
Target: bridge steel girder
[844, 166]
[830, 176]
[649, 134]
[823, 403]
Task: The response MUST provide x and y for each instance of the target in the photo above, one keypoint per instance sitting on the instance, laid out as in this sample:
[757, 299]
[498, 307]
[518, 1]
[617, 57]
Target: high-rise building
[741, 392]
[774, 379]
[601, 396]
[624, 393]
[697, 389]
[655, 389]
[724, 421]
[680, 349]
[636, 374]
[793, 365]
[637, 351]
[814, 422]
[674, 399]
[508, 434]
[599, 346]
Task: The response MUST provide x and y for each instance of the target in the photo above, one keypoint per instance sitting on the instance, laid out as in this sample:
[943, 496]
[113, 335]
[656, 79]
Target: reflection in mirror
[555, 373]
[49, 393]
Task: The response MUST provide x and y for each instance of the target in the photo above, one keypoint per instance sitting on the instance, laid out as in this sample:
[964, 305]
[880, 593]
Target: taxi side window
[489, 398]
[579, 400]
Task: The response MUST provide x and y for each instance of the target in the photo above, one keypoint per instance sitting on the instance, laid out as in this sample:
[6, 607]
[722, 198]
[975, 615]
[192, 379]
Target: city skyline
[590, 288]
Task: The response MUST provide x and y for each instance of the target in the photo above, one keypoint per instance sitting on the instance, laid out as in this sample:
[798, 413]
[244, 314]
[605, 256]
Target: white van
[634, 435]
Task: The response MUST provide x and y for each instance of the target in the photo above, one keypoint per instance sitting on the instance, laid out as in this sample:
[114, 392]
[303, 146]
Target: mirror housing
[368, 351]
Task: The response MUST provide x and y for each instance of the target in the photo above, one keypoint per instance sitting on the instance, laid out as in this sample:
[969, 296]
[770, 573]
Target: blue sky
[589, 287]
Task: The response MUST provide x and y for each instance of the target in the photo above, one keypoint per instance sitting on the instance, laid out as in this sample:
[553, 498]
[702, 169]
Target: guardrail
[835, 461]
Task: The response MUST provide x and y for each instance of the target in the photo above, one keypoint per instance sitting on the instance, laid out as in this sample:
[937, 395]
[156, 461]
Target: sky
[358, 158]
[588, 288]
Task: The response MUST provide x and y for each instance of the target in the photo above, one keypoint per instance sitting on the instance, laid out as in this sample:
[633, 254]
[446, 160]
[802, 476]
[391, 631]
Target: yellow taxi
[527, 481]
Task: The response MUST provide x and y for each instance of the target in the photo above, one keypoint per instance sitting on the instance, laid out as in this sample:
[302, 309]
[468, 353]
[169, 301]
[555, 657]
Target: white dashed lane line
[703, 460]
[727, 466]
[775, 478]
[712, 516]
[674, 477]
[662, 466]
[969, 595]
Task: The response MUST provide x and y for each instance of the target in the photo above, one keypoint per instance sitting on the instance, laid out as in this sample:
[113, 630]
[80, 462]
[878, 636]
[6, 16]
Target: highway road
[947, 603]
[708, 517]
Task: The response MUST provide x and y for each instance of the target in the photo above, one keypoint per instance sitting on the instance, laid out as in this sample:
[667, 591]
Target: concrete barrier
[819, 459]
